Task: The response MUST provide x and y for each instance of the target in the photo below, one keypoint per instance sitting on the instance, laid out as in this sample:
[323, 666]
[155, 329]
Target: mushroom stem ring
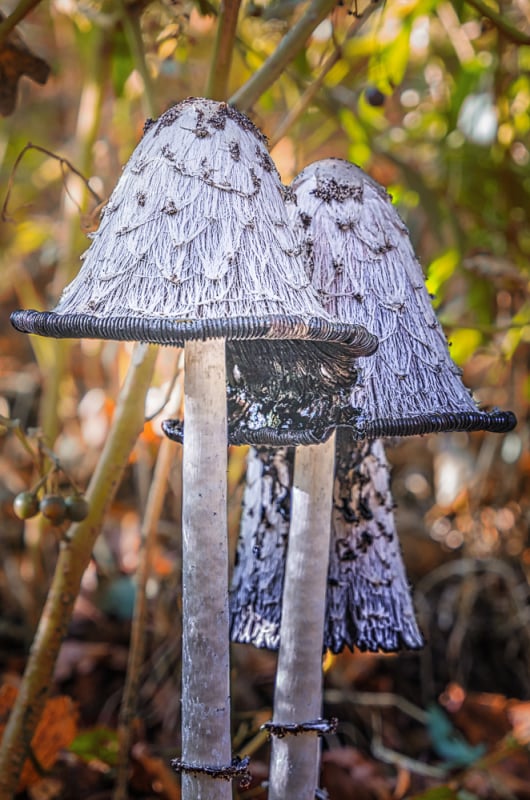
[318, 726]
[237, 769]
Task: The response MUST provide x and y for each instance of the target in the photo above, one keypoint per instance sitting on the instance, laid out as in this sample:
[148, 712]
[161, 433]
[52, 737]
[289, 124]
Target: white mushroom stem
[298, 693]
[205, 640]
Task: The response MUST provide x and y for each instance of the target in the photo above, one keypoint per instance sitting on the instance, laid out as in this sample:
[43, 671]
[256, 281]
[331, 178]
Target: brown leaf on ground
[55, 731]
[16, 60]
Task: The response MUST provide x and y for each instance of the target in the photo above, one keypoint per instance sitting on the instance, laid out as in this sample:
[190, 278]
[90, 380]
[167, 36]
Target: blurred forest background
[432, 98]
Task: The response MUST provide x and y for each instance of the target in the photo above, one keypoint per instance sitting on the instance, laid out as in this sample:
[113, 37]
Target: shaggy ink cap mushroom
[368, 598]
[360, 260]
[195, 244]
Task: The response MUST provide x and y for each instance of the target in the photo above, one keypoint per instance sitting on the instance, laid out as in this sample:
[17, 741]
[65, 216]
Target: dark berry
[374, 96]
[76, 507]
[53, 507]
[25, 505]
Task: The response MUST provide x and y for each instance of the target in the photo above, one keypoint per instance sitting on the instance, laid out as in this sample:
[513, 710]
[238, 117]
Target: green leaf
[122, 63]
[441, 269]
[464, 343]
[98, 743]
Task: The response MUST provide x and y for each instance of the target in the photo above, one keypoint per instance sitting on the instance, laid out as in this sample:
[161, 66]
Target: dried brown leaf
[55, 731]
[16, 60]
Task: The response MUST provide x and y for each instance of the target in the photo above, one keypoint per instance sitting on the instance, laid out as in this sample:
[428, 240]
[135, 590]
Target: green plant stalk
[133, 34]
[307, 97]
[501, 23]
[18, 14]
[74, 557]
[289, 47]
[223, 50]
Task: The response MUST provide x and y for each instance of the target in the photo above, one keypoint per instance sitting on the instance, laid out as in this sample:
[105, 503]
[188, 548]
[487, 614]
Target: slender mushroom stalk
[195, 250]
[205, 640]
[298, 689]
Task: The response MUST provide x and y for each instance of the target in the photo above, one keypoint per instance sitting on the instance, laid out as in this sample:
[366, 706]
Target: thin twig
[62, 161]
[15, 427]
[499, 20]
[379, 700]
[379, 750]
[292, 43]
[166, 399]
[306, 98]
[223, 50]
[10, 22]
[58, 466]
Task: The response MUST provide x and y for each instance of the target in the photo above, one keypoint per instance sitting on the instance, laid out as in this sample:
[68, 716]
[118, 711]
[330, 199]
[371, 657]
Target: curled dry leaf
[16, 60]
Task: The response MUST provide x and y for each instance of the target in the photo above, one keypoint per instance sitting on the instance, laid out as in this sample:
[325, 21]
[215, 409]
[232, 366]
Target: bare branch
[223, 50]
[288, 48]
[499, 20]
[64, 164]
[10, 22]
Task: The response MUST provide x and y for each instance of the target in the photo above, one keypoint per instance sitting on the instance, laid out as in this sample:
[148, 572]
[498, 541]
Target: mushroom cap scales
[359, 258]
[195, 243]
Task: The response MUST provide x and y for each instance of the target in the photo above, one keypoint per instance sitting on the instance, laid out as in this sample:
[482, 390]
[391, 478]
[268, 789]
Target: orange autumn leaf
[163, 566]
[55, 731]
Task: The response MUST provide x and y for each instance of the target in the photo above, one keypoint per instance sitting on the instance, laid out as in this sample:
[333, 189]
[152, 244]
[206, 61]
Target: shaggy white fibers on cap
[360, 260]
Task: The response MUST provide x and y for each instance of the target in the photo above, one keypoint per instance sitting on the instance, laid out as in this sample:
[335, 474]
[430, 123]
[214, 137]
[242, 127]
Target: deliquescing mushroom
[359, 257]
[194, 249]
[368, 602]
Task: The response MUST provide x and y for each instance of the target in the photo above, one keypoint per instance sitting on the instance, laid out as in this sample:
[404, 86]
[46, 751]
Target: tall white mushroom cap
[195, 243]
[360, 259]
[195, 230]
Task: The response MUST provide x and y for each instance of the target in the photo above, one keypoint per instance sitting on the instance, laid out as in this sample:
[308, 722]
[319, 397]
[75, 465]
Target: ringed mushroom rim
[494, 421]
[265, 436]
[176, 332]
[490, 421]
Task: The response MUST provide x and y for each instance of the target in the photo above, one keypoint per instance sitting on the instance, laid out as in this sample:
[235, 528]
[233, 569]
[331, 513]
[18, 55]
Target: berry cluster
[55, 507]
